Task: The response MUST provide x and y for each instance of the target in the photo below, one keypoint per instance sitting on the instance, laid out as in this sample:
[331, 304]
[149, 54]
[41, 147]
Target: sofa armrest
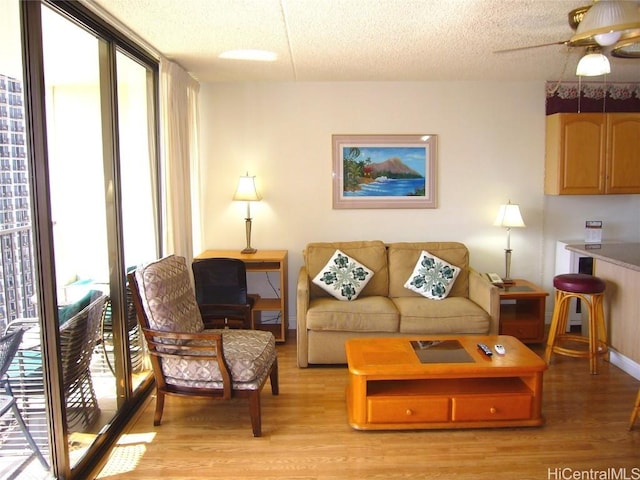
[302, 305]
[487, 295]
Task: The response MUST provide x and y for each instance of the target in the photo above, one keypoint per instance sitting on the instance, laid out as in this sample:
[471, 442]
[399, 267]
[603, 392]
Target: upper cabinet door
[575, 154]
[592, 154]
[623, 145]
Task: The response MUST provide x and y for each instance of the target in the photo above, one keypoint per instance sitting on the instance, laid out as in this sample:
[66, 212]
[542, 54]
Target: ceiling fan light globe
[628, 46]
[606, 16]
[606, 39]
[593, 64]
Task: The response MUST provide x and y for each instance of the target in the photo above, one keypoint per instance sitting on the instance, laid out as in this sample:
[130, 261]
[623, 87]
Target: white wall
[490, 150]
[564, 218]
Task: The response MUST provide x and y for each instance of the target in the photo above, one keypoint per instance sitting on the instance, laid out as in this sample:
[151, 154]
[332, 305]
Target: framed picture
[384, 171]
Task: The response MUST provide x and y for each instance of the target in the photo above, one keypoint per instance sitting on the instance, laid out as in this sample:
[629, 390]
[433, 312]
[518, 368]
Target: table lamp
[247, 192]
[508, 217]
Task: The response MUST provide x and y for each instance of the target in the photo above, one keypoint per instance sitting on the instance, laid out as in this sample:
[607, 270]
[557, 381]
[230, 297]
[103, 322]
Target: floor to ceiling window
[89, 179]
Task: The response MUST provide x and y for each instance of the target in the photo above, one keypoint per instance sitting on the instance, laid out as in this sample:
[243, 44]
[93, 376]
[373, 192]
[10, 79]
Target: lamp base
[247, 223]
[508, 281]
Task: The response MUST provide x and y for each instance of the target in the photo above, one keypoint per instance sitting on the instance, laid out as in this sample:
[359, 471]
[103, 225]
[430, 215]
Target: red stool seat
[579, 283]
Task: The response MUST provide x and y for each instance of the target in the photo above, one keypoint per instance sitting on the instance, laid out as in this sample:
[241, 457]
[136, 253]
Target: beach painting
[384, 171]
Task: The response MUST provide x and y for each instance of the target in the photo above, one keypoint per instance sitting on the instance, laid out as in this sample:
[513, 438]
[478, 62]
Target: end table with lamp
[522, 311]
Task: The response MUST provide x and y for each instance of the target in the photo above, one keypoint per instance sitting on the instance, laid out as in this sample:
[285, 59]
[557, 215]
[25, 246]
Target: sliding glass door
[77, 186]
[91, 193]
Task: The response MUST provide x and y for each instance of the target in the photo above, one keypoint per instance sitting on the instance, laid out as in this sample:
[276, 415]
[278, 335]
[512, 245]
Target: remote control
[486, 350]
[499, 349]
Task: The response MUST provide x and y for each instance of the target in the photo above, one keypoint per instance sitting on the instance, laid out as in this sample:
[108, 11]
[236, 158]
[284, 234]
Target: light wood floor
[306, 435]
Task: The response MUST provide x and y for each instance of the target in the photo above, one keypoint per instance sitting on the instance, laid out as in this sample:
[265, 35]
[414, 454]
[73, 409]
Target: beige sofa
[385, 307]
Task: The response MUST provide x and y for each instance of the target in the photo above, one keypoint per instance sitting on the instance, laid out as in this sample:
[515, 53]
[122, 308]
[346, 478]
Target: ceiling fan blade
[506, 50]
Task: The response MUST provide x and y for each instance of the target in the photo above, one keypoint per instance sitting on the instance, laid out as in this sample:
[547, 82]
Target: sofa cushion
[404, 255]
[343, 277]
[366, 314]
[371, 253]
[452, 315]
[432, 277]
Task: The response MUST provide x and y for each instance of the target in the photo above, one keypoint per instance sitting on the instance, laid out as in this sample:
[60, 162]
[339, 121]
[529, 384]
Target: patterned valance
[562, 97]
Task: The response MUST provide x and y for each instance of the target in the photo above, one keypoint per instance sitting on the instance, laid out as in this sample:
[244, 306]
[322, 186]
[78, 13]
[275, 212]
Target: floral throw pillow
[432, 277]
[343, 277]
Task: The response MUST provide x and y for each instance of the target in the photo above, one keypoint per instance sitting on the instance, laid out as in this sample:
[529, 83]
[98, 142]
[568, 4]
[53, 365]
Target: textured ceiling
[364, 40]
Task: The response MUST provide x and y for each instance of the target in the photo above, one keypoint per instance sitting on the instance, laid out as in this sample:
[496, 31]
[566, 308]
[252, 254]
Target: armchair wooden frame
[195, 346]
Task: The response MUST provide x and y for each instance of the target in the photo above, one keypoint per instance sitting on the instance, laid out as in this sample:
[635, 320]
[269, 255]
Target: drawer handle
[492, 410]
[409, 412]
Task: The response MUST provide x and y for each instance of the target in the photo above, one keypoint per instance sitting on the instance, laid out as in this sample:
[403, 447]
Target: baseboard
[624, 363]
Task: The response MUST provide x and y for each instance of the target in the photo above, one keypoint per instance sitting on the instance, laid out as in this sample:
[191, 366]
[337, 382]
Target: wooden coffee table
[457, 387]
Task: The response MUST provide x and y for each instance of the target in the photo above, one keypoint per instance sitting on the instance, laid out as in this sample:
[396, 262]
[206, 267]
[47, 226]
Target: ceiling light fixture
[250, 54]
[628, 46]
[594, 63]
[606, 20]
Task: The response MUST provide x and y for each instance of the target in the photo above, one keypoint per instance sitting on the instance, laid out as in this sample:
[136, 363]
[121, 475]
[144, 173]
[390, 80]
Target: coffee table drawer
[408, 409]
[490, 407]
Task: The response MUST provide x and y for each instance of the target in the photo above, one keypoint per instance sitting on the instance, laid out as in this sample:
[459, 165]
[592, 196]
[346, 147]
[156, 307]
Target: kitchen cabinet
[592, 153]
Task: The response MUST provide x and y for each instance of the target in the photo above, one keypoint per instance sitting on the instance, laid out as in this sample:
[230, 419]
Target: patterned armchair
[186, 358]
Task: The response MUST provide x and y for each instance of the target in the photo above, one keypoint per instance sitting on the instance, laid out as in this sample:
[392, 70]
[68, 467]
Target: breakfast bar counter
[625, 255]
[618, 264]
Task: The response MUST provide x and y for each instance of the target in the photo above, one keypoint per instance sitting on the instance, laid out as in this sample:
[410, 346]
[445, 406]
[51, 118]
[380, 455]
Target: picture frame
[384, 171]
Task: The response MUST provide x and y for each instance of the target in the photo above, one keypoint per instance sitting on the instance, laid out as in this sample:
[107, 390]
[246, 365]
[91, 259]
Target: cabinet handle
[409, 412]
[492, 410]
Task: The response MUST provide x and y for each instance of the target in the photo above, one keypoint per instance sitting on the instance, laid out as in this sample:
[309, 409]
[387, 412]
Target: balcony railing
[16, 275]
[26, 371]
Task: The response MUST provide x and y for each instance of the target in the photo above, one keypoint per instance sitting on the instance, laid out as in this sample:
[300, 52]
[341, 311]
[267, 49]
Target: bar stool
[590, 290]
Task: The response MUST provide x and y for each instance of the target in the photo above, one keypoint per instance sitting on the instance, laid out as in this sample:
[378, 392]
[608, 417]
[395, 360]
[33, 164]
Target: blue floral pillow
[432, 277]
[343, 277]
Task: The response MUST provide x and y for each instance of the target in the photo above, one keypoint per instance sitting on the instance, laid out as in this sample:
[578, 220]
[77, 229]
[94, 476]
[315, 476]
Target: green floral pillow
[343, 277]
[432, 277]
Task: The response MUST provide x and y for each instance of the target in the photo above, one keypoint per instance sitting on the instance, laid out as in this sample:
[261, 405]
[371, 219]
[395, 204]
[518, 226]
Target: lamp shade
[509, 216]
[605, 21]
[593, 64]
[628, 46]
[246, 190]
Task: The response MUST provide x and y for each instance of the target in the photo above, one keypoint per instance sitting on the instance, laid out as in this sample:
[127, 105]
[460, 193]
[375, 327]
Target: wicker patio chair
[78, 338]
[8, 347]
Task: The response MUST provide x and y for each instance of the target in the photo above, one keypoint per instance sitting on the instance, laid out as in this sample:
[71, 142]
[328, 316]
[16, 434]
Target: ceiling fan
[604, 24]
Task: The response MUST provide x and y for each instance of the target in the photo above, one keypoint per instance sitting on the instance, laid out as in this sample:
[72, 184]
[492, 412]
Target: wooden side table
[264, 261]
[522, 308]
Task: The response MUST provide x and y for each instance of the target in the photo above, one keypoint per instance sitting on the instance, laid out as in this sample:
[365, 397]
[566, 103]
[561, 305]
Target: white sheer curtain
[179, 134]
